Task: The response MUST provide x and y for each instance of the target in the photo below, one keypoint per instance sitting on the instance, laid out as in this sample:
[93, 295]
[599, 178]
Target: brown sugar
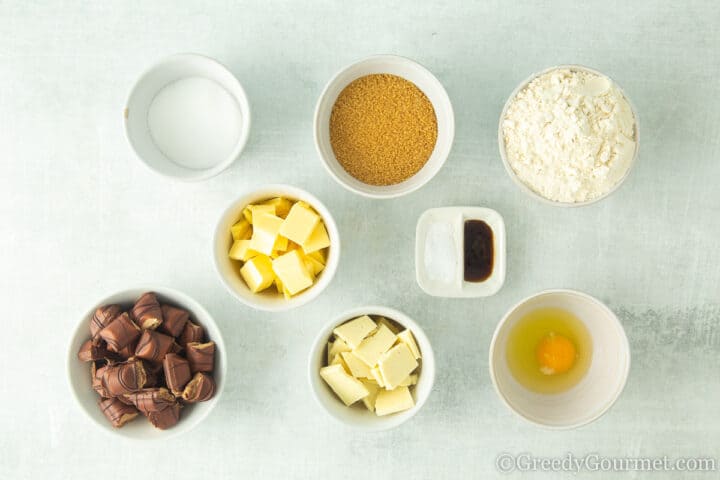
[382, 129]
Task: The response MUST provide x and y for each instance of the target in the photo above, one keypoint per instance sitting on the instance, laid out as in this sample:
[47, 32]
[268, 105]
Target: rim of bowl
[526, 188]
[403, 319]
[333, 256]
[323, 97]
[625, 373]
[243, 105]
[71, 358]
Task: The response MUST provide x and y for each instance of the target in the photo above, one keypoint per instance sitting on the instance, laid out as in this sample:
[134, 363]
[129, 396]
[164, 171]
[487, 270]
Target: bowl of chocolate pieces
[147, 363]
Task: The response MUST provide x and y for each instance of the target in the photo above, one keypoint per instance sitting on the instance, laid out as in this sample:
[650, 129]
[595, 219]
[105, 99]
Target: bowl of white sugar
[187, 117]
[568, 136]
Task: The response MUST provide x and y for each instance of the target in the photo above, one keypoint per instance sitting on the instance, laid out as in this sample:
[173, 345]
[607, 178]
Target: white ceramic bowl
[425, 81]
[596, 392]
[270, 300]
[168, 70]
[526, 188]
[361, 418]
[140, 428]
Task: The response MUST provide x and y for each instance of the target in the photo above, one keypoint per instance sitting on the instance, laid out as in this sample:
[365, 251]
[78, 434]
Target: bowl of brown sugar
[384, 126]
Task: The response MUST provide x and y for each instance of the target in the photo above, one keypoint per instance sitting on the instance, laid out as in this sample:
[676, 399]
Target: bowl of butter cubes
[372, 368]
[276, 248]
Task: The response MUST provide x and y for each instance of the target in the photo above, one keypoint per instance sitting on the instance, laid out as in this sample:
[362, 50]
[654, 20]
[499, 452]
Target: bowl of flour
[568, 136]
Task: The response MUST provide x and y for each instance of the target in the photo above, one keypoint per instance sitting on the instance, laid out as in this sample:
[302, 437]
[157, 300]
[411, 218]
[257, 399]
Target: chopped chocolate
[165, 418]
[120, 332]
[154, 373]
[151, 399]
[117, 412]
[91, 351]
[153, 346]
[124, 378]
[102, 318]
[177, 373]
[147, 312]
[191, 333]
[96, 375]
[200, 388]
[128, 351]
[174, 320]
[201, 356]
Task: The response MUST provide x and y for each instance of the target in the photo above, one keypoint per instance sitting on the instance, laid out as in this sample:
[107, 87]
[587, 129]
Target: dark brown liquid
[478, 247]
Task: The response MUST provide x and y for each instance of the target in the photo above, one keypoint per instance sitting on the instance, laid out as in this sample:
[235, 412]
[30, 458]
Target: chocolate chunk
[124, 378]
[151, 399]
[201, 356]
[200, 388]
[96, 375]
[177, 373]
[120, 332]
[91, 351]
[174, 320]
[117, 412]
[165, 418]
[153, 346]
[102, 318]
[128, 351]
[191, 333]
[154, 373]
[147, 312]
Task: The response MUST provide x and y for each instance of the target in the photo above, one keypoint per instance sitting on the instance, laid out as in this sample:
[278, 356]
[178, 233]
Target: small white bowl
[169, 70]
[455, 218]
[269, 300]
[78, 372]
[361, 418]
[425, 81]
[526, 188]
[596, 392]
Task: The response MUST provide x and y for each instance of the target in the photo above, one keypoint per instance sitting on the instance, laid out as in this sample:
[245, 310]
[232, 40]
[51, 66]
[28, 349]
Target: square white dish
[456, 286]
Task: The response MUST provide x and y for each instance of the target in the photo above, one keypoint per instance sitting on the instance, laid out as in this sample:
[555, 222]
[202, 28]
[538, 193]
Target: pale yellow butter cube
[410, 380]
[299, 224]
[357, 367]
[349, 389]
[282, 206]
[265, 232]
[318, 239]
[281, 244]
[377, 376]
[355, 331]
[291, 269]
[338, 346]
[260, 209]
[370, 349]
[338, 360]
[241, 250]
[407, 338]
[318, 255]
[278, 285]
[393, 401]
[396, 364]
[258, 273]
[313, 264]
[242, 230]
[388, 324]
[373, 390]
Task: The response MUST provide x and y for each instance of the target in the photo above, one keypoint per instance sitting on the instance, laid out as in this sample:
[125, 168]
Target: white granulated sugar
[570, 135]
[441, 259]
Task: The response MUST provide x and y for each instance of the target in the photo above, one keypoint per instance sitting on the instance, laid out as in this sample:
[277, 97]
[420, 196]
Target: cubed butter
[373, 390]
[396, 364]
[318, 239]
[393, 401]
[265, 232]
[377, 376]
[299, 224]
[338, 346]
[370, 349]
[291, 269]
[258, 273]
[407, 338]
[259, 209]
[241, 230]
[349, 389]
[355, 331]
[388, 324]
[282, 206]
[357, 367]
[281, 244]
[318, 255]
[241, 250]
[410, 380]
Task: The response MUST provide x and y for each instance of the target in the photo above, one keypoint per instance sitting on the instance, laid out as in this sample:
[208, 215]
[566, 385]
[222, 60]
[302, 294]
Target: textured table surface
[81, 217]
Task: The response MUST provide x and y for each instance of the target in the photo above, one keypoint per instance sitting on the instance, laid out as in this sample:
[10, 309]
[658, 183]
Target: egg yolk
[555, 354]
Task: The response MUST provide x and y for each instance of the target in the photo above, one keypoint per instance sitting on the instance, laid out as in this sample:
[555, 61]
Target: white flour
[195, 122]
[570, 135]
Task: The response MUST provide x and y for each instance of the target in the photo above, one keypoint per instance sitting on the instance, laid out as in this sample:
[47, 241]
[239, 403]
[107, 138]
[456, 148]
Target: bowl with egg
[568, 136]
[276, 247]
[384, 126]
[371, 368]
[559, 359]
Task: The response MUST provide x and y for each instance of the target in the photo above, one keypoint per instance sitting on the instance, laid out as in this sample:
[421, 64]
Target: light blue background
[82, 217]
